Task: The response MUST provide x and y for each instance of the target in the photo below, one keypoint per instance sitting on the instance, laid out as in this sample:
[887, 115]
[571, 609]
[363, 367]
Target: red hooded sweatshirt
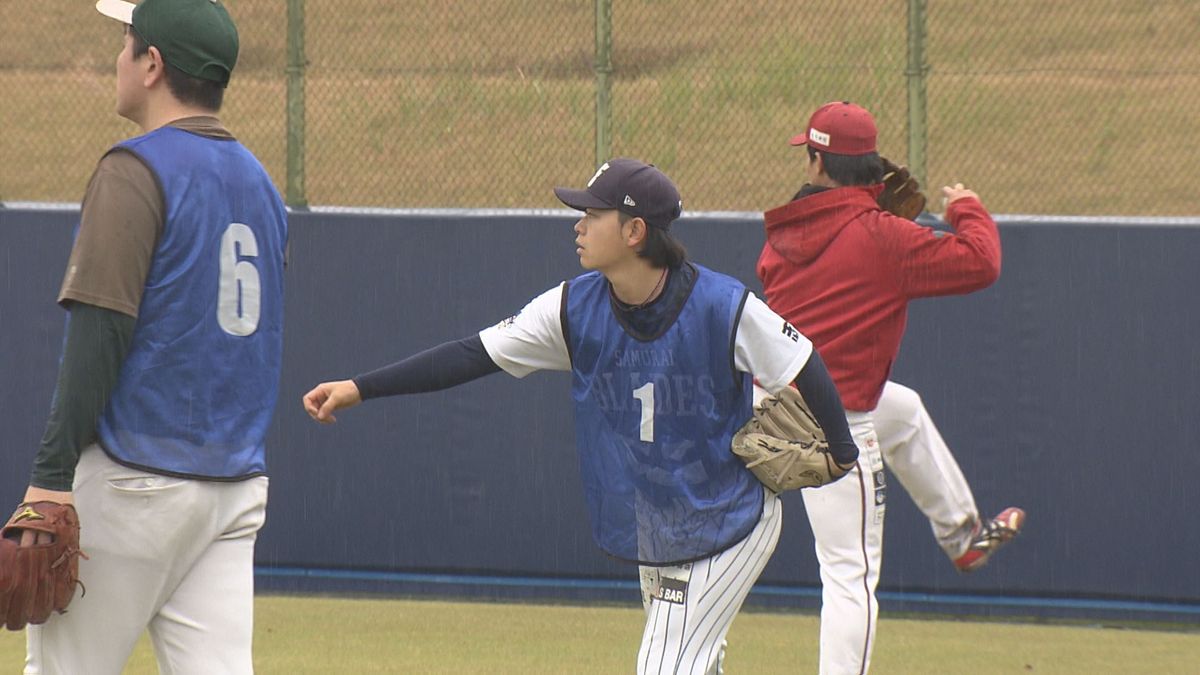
[842, 271]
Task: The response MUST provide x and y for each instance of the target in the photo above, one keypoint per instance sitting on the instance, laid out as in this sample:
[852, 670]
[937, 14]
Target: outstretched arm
[532, 340]
[446, 365]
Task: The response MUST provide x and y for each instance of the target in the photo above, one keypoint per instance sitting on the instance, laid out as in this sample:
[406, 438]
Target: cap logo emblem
[602, 169]
[818, 137]
[629, 201]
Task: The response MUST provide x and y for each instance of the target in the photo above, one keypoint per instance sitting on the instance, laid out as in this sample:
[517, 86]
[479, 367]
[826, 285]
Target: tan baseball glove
[784, 446]
[39, 579]
[901, 192]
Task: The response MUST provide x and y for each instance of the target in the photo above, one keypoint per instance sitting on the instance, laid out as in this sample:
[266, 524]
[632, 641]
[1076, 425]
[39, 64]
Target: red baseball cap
[841, 128]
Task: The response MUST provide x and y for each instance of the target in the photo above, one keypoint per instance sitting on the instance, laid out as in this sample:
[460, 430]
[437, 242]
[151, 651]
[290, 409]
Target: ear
[156, 68]
[816, 171]
[637, 232]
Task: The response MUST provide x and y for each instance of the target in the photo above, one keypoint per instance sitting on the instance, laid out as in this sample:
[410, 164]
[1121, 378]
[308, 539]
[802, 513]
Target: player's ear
[816, 167]
[156, 68]
[636, 234]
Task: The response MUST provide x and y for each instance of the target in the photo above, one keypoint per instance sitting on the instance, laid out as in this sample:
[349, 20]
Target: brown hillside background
[1074, 107]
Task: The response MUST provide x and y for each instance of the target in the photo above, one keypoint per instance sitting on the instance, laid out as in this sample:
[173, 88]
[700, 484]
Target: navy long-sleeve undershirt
[446, 365]
[821, 395]
[453, 363]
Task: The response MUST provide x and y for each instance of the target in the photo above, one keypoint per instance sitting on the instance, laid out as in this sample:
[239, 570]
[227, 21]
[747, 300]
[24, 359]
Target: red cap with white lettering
[841, 128]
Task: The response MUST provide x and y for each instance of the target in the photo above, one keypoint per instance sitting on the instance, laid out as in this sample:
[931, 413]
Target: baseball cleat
[988, 537]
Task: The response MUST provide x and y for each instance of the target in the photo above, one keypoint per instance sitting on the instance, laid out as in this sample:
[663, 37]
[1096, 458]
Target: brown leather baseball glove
[784, 446]
[38, 579]
[901, 192]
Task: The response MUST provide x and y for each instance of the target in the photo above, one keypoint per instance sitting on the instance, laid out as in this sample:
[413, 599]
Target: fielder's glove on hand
[784, 447]
[901, 192]
[38, 579]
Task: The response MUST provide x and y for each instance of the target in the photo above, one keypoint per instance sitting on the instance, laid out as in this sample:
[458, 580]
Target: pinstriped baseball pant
[686, 623]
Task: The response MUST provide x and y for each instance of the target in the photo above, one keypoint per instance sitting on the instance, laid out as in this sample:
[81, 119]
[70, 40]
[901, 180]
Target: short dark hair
[661, 248]
[189, 90]
[851, 169]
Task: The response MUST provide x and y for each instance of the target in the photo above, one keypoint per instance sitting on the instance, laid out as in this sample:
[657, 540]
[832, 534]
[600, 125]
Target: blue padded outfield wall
[1069, 388]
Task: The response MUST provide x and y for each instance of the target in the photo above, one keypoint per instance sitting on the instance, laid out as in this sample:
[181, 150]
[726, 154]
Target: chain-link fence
[1071, 107]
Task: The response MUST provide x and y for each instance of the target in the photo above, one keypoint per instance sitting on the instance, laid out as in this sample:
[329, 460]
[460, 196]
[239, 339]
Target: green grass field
[1080, 106]
[329, 635]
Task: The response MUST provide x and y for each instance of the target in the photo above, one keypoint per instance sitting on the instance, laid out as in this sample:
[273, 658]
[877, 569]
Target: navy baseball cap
[630, 186]
[195, 36]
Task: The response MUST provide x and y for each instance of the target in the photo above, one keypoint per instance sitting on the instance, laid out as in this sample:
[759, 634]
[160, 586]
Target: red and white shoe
[989, 536]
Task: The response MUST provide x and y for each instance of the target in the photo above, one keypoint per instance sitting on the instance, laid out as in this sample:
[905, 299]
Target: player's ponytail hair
[661, 248]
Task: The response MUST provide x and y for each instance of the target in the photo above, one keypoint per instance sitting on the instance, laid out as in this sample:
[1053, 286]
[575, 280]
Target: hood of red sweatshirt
[801, 230]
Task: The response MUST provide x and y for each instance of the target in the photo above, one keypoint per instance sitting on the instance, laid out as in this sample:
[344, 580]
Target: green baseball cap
[195, 36]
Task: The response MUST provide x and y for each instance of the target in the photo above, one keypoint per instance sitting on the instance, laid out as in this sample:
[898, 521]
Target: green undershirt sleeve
[95, 347]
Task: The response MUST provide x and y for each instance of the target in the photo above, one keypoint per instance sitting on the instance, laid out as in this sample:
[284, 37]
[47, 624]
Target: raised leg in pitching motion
[914, 450]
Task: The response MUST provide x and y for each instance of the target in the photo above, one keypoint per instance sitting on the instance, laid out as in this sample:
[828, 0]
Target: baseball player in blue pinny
[170, 366]
[662, 354]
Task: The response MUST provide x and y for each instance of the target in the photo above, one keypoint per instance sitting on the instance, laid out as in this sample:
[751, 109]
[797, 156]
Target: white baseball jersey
[765, 346]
